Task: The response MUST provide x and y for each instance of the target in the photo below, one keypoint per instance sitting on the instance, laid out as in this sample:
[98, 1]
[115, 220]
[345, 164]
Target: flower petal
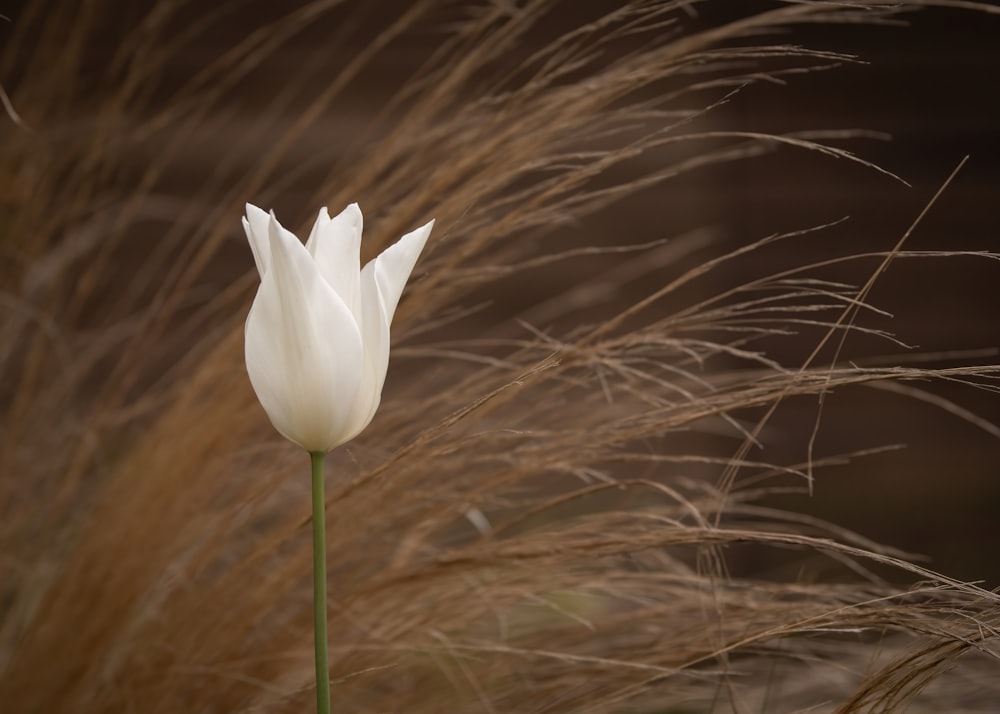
[382, 282]
[255, 225]
[335, 244]
[375, 364]
[394, 265]
[303, 348]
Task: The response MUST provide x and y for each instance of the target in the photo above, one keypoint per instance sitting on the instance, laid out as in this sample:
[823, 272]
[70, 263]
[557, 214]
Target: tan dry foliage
[537, 519]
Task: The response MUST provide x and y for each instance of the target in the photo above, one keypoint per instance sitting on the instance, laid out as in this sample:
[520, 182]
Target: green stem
[319, 584]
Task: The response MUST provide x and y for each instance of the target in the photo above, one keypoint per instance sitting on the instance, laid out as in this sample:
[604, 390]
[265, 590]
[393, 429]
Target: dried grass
[540, 517]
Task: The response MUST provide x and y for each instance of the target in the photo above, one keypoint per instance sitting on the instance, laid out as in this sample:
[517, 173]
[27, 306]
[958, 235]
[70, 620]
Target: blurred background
[925, 86]
[926, 89]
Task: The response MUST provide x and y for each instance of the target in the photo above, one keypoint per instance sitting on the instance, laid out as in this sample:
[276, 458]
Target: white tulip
[317, 335]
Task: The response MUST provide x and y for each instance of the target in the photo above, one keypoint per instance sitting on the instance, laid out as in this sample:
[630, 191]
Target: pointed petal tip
[426, 228]
[252, 211]
[419, 235]
[352, 213]
[275, 231]
[255, 227]
[272, 221]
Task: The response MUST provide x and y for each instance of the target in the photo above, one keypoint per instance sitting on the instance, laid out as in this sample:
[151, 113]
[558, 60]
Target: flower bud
[317, 335]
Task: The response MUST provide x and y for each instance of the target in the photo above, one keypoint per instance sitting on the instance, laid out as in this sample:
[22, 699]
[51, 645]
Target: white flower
[317, 336]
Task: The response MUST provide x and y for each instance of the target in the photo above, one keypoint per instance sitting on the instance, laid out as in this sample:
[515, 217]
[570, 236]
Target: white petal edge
[255, 225]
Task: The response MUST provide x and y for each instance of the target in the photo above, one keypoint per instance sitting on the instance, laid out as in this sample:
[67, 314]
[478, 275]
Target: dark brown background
[932, 86]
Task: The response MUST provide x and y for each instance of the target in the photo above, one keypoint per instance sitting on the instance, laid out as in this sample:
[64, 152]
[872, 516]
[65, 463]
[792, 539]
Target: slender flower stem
[319, 584]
